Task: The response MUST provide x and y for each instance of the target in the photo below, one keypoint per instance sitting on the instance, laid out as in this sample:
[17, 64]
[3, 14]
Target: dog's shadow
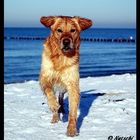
[86, 100]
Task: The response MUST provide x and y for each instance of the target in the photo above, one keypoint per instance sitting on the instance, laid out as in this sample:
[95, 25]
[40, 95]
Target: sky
[103, 13]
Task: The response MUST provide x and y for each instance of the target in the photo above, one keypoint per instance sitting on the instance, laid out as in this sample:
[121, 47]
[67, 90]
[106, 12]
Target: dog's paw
[72, 131]
[55, 118]
[53, 105]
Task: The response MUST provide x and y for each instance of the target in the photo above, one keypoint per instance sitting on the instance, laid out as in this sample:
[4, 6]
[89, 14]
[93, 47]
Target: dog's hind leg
[61, 103]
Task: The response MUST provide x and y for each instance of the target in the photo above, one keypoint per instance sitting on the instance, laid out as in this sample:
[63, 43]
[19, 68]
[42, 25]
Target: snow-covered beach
[107, 108]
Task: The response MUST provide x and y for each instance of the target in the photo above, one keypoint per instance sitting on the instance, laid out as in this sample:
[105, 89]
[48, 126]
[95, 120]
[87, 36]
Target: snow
[107, 108]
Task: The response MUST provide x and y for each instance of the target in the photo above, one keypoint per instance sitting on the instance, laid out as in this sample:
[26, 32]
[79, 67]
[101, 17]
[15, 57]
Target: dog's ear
[84, 23]
[47, 21]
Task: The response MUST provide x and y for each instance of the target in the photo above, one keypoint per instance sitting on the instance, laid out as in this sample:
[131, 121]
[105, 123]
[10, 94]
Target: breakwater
[119, 40]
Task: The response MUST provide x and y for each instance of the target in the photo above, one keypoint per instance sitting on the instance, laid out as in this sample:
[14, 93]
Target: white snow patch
[107, 108]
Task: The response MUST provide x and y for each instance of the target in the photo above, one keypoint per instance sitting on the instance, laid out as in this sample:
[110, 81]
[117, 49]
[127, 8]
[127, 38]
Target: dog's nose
[66, 42]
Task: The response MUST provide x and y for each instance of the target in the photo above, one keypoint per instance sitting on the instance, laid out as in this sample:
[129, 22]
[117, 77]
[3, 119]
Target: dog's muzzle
[67, 45]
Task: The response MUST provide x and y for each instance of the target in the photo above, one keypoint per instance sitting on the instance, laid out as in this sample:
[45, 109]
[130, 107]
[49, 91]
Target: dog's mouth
[66, 45]
[67, 49]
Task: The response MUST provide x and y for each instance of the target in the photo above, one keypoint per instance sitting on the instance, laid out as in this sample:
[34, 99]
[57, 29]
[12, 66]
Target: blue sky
[104, 13]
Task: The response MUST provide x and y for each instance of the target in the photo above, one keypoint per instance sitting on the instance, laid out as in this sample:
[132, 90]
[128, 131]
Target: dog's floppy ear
[47, 21]
[84, 23]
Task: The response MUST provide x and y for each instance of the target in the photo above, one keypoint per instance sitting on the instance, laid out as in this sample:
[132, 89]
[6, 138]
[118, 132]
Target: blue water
[22, 58]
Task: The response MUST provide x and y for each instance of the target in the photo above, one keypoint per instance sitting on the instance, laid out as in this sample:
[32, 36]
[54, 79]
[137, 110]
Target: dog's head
[66, 30]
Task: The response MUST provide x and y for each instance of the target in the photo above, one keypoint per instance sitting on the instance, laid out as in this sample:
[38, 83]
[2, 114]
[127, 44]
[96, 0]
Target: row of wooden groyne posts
[82, 39]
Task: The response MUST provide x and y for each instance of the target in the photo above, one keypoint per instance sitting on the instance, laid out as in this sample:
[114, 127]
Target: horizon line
[89, 28]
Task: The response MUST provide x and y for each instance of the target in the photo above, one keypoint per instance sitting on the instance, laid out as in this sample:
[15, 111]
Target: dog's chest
[53, 70]
[53, 75]
[59, 72]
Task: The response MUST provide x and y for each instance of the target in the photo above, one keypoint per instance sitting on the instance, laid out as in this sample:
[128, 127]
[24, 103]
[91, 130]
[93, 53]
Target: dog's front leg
[53, 104]
[73, 91]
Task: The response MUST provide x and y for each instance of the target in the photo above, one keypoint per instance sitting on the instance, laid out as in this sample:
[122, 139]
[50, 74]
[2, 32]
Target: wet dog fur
[60, 65]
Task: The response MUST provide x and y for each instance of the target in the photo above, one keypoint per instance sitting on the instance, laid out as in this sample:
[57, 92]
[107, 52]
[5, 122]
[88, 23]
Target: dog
[60, 65]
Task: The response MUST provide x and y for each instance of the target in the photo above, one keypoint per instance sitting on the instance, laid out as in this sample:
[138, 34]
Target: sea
[22, 57]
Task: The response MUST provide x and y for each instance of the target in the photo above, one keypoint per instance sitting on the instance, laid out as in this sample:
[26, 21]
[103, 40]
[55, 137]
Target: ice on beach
[107, 108]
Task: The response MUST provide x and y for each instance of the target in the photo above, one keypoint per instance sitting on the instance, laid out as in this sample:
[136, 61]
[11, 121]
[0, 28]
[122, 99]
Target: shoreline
[132, 73]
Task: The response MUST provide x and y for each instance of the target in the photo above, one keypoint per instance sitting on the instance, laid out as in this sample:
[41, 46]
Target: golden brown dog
[60, 65]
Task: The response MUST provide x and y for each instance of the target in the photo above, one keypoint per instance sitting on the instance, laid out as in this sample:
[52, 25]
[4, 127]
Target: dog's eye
[72, 30]
[59, 30]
